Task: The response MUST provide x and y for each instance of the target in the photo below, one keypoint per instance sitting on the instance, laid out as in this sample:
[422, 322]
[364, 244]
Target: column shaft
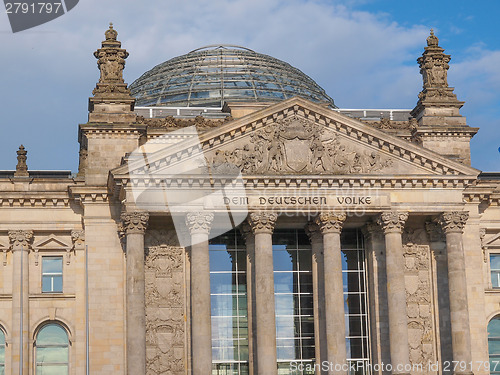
[396, 293]
[20, 241]
[453, 224]
[334, 301]
[264, 305]
[318, 278]
[136, 305]
[392, 224]
[459, 312]
[200, 305]
[134, 224]
[265, 319]
[331, 225]
[201, 329]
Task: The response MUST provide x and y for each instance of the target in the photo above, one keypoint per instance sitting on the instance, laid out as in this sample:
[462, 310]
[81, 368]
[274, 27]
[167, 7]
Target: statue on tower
[111, 94]
[434, 69]
[434, 64]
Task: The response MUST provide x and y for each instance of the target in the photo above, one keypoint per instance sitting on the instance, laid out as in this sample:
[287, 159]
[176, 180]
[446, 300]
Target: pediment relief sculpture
[295, 145]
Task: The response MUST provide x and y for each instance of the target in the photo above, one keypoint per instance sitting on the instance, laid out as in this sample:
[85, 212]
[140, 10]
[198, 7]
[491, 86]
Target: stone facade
[430, 223]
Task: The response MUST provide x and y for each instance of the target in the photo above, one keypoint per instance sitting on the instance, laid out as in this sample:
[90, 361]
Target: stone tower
[441, 127]
[112, 130]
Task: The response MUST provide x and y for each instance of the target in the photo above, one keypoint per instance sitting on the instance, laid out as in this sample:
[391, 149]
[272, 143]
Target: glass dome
[212, 75]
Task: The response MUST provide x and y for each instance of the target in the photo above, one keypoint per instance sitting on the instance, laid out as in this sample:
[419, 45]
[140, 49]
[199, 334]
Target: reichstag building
[227, 218]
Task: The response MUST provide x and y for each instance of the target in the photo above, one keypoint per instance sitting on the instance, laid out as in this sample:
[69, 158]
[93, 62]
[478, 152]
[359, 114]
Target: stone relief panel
[165, 305]
[296, 145]
[419, 299]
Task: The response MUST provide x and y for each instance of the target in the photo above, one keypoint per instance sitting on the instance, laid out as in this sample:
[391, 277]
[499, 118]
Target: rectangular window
[52, 274]
[228, 294]
[293, 300]
[495, 270]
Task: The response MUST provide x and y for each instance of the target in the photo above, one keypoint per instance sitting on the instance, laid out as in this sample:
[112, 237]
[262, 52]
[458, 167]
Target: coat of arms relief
[165, 304]
[296, 145]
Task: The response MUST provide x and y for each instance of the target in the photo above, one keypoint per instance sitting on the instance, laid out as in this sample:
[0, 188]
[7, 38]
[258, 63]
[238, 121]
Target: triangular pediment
[52, 243]
[294, 138]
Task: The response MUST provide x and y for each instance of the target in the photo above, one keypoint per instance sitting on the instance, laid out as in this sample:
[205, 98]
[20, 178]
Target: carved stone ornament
[165, 306]
[111, 62]
[296, 145]
[199, 222]
[21, 167]
[170, 122]
[83, 163]
[420, 303]
[313, 232]
[246, 232]
[330, 222]
[20, 239]
[262, 222]
[434, 232]
[78, 238]
[392, 221]
[134, 222]
[434, 69]
[371, 230]
[453, 222]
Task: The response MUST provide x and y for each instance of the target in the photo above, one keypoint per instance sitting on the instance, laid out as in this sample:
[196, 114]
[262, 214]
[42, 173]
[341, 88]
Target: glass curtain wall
[229, 305]
[294, 301]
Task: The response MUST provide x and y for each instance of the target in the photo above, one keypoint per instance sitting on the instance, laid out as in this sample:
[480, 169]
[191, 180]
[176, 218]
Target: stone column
[247, 234]
[262, 224]
[318, 276]
[437, 244]
[453, 224]
[199, 224]
[20, 241]
[330, 224]
[392, 224]
[377, 295]
[134, 225]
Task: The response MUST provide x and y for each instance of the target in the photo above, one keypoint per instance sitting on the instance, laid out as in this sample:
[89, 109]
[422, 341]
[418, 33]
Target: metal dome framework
[212, 75]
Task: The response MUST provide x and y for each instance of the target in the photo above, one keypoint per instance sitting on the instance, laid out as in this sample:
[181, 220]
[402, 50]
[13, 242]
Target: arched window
[52, 350]
[2, 352]
[494, 344]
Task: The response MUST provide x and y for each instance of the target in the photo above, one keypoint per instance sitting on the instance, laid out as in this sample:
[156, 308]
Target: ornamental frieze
[296, 145]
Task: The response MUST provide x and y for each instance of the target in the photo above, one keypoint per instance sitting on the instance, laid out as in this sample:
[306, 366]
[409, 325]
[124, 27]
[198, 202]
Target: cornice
[348, 181]
[25, 199]
[89, 194]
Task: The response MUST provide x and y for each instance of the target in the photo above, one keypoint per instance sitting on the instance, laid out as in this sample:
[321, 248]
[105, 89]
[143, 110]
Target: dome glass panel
[209, 76]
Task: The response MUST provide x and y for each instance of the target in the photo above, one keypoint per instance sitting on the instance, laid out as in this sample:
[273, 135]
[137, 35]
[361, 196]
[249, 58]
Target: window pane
[228, 304]
[2, 338]
[52, 355]
[52, 370]
[495, 261]
[57, 284]
[52, 265]
[52, 334]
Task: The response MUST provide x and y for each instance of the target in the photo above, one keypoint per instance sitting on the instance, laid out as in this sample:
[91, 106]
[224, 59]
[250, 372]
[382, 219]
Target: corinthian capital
[199, 222]
[313, 232]
[262, 222]
[330, 222]
[20, 239]
[453, 222]
[392, 221]
[134, 222]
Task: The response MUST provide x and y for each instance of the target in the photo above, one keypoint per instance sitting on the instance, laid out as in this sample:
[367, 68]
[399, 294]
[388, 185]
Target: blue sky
[362, 52]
